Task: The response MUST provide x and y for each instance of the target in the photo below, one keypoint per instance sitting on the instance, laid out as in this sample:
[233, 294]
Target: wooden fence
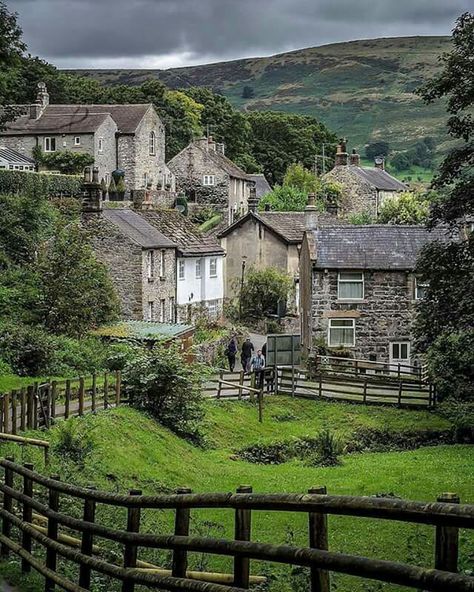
[31, 500]
[39, 405]
[355, 367]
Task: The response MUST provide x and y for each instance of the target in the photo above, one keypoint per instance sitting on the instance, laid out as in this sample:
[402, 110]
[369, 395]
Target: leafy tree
[302, 179]
[406, 208]
[284, 198]
[248, 92]
[76, 293]
[377, 149]
[263, 290]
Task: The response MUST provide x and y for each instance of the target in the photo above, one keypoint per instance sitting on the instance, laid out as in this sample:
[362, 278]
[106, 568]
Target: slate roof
[379, 178]
[14, 157]
[144, 330]
[78, 119]
[262, 186]
[376, 246]
[225, 163]
[137, 229]
[190, 242]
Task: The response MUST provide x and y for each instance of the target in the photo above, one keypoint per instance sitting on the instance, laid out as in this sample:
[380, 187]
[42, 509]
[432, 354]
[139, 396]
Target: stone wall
[385, 314]
[158, 288]
[357, 195]
[107, 159]
[151, 164]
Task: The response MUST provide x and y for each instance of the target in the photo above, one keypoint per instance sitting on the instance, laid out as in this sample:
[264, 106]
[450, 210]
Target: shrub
[66, 162]
[72, 441]
[322, 451]
[361, 218]
[263, 290]
[407, 208]
[164, 384]
[77, 356]
[27, 350]
[461, 415]
[274, 453]
[39, 184]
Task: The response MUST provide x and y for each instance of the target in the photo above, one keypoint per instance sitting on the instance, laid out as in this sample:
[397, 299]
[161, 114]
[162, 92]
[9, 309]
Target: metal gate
[283, 350]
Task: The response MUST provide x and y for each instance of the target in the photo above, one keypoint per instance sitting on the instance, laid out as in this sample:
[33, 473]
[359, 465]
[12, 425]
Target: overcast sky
[168, 33]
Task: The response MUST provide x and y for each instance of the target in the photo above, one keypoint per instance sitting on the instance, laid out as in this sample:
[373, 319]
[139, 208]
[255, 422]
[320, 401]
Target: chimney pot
[341, 153]
[355, 158]
[380, 162]
[311, 213]
[252, 200]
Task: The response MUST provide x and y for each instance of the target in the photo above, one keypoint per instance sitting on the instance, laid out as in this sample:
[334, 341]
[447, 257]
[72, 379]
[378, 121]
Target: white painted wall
[192, 290]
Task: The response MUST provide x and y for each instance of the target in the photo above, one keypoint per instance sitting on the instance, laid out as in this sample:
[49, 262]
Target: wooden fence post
[318, 539]
[181, 528]
[35, 406]
[130, 549]
[219, 387]
[241, 384]
[400, 390]
[81, 397]
[365, 390]
[87, 541]
[118, 386]
[447, 540]
[14, 411]
[243, 520]
[7, 506]
[320, 391]
[94, 392]
[252, 385]
[6, 413]
[54, 395]
[23, 409]
[67, 399]
[47, 406]
[51, 554]
[260, 405]
[106, 390]
[1, 414]
[29, 406]
[27, 517]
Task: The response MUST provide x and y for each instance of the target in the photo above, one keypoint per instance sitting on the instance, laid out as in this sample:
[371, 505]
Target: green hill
[362, 89]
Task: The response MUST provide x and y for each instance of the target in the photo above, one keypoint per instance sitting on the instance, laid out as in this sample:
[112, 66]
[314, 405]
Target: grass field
[132, 450]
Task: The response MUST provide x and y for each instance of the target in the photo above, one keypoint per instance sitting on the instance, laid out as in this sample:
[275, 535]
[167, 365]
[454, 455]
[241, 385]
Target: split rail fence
[36, 529]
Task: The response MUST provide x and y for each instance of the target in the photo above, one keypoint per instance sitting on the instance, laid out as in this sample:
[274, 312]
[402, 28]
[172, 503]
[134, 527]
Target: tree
[377, 149]
[76, 293]
[302, 179]
[263, 290]
[448, 308]
[248, 92]
[406, 208]
[284, 198]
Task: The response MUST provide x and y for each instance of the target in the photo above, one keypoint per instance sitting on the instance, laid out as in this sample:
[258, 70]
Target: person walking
[231, 352]
[257, 365]
[246, 354]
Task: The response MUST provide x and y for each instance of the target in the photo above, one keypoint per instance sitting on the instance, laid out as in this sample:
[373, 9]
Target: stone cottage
[364, 189]
[209, 178]
[127, 137]
[358, 287]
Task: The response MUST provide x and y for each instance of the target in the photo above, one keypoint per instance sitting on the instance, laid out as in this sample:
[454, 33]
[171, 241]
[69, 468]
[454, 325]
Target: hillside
[362, 89]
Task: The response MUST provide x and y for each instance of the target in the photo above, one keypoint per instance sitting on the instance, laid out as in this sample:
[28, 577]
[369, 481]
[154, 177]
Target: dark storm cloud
[149, 33]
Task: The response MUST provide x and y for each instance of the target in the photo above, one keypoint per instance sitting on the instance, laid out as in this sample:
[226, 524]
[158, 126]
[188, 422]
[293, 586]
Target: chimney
[211, 143]
[253, 200]
[311, 213]
[42, 101]
[380, 162]
[35, 111]
[220, 147]
[92, 194]
[341, 153]
[355, 158]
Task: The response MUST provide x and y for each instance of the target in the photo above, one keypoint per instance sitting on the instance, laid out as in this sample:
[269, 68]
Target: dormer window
[152, 144]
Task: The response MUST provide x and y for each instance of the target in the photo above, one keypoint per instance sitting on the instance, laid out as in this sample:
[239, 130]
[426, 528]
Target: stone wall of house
[159, 288]
[153, 165]
[123, 259]
[22, 144]
[126, 159]
[385, 314]
[357, 196]
[107, 159]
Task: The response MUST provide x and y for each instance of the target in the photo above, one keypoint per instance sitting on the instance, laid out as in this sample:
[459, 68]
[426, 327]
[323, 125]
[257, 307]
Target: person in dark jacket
[246, 355]
[231, 353]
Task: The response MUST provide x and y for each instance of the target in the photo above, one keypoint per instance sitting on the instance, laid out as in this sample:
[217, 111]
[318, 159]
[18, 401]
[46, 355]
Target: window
[208, 180]
[350, 285]
[181, 269]
[101, 145]
[420, 289]
[400, 351]
[50, 144]
[172, 315]
[212, 306]
[107, 179]
[145, 180]
[213, 267]
[162, 263]
[152, 144]
[341, 332]
[150, 264]
[198, 269]
[151, 311]
[162, 310]
[77, 140]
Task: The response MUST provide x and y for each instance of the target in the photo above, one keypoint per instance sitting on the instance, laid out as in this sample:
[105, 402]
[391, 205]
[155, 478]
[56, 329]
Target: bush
[74, 356]
[27, 350]
[461, 415]
[263, 290]
[406, 208]
[164, 384]
[322, 451]
[274, 453]
[72, 441]
[361, 218]
[39, 184]
[66, 162]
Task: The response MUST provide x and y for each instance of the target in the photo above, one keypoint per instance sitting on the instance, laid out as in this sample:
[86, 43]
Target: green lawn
[131, 450]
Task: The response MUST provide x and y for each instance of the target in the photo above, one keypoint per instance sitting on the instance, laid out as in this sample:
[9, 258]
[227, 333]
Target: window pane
[351, 290]
[395, 351]
[404, 351]
[351, 275]
[342, 323]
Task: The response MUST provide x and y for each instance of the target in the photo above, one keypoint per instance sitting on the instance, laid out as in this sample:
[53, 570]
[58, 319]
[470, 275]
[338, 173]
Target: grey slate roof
[379, 178]
[262, 186]
[78, 119]
[226, 164]
[190, 242]
[136, 228]
[376, 246]
[14, 157]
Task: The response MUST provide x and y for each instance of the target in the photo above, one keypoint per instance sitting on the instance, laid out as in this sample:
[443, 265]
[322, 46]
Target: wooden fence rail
[29, 498]
[38, 405]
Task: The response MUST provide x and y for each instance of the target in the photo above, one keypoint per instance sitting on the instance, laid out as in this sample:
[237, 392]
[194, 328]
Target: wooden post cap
[183, 490]
[449, 498]
[320, 490]
[244, 489]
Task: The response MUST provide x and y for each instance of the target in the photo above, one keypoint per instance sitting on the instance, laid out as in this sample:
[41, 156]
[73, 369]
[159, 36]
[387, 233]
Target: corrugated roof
[14, 157]
[376, 246]
[190, 242]
[146, 330]
[379, 178]
[262, 186]
[136, 228]
[78, 119]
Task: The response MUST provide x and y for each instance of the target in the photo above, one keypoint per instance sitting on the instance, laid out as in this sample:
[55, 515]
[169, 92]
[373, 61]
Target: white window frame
[198, 269]
[209, 180]
[150, 264]
[151, 310]
[145, 180]
[162, 310]
[351, 326]
[181, 270]
[152, 143]
[77, 140]
[212, 306]
[399, 359]
[162, 263]
[342, 280]
[422, 286]
[213, 267]
[48, 141]
[100, 145]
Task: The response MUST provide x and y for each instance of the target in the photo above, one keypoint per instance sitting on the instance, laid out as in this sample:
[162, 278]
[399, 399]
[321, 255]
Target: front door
[399, 355]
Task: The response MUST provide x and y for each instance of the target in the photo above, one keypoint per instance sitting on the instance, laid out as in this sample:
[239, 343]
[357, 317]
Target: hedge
[15, 182]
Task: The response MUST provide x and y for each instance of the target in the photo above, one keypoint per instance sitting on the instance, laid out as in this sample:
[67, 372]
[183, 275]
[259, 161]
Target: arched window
[152, 143]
